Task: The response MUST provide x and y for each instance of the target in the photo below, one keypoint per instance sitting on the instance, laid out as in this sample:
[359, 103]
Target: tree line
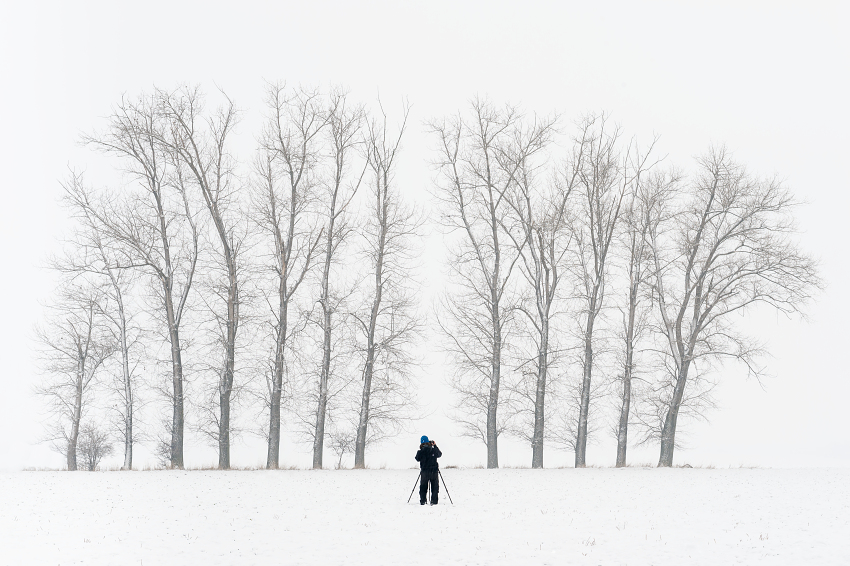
[590, 284]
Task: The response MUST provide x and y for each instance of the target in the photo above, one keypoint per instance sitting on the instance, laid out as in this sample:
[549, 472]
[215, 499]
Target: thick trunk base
[492, 455]
[537, 457]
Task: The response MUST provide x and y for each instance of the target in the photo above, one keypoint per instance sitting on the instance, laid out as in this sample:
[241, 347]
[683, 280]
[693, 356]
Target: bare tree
[126, 334]
[96, 257]
[478, 162]
[154, 226]
[203, 160]
[540, 206]
[642, 213]
[74, 344]
[603, 173]
[93, 446]
[390, 325]
[344, 124]
[601, 190]
[287, 171]
[731, 247]
[341, 442]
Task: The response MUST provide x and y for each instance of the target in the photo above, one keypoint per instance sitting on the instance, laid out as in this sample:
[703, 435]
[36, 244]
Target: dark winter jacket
[427, 456]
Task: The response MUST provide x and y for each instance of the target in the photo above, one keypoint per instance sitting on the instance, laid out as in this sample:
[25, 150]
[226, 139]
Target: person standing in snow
[430, 470]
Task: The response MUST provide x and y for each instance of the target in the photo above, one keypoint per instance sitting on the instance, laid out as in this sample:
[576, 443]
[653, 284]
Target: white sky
[769, 79]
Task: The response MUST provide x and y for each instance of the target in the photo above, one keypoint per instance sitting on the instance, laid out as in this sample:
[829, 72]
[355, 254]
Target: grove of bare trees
[603, 221]
[151, 225]
[208, 290]
[287, 172]
[479, 160]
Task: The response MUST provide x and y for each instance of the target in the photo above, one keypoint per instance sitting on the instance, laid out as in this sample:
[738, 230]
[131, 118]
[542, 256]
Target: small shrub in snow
[92, 446]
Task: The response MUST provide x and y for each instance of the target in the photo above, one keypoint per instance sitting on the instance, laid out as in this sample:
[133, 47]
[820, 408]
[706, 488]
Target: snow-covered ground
[508, 516]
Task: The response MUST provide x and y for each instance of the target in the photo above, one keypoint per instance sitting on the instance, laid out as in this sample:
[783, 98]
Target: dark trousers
[432, 477]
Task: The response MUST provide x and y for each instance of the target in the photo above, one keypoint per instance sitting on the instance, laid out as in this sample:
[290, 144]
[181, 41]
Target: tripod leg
[444, 485]
[414, 486]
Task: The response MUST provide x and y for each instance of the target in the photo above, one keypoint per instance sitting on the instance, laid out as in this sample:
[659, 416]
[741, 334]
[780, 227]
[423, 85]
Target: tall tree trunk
[273, 458]
[284, 250]
[128, 385]
[493, 400]
[668, 431]
[176, 382]
[540, 396]
[363, 423]
[167, 281]
[128, 446]
[319, 437]
[71, 453]
[226, 388]
[321, 409]
[623, 429]
[587, 375]
[495, 314]
[125, 368]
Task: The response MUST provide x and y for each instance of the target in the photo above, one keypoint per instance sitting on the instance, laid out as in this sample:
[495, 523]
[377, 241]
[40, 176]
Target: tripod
[441, 478]
[445, 486]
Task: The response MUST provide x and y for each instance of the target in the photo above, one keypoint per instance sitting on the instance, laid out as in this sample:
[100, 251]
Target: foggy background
[768, 79]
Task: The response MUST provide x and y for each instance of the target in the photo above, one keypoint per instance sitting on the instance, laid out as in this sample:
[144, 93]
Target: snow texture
[509, 516]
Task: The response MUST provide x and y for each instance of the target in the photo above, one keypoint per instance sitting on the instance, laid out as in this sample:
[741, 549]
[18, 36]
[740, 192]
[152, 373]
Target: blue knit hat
[424, 439]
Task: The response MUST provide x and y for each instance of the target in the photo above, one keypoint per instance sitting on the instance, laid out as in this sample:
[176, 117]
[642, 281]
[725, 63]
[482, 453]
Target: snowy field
[509, 516]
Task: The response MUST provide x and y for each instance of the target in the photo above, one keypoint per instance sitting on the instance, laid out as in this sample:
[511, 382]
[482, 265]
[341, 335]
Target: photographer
[427, 458]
